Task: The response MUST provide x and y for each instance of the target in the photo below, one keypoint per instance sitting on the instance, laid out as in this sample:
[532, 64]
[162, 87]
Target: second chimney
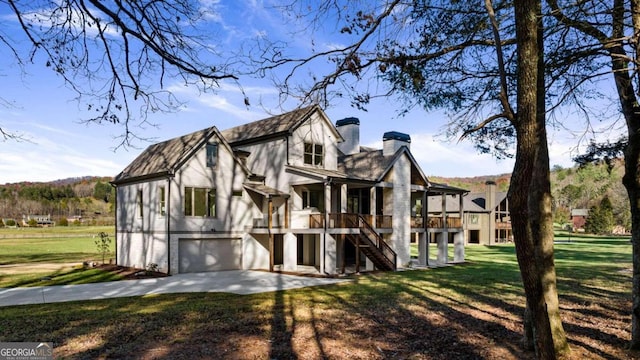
[349, 129]
[392, 141]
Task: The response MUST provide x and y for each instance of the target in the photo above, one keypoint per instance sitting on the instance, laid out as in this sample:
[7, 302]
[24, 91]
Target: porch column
[327, 204]
[290, 252]
[458, 247]
[423, 249]
[270, 214]
[460, 206]
[444, 211]
[343, 198]
[442, 238]
[372, 205]
[286, 213]
[425, 210]
[271, 240]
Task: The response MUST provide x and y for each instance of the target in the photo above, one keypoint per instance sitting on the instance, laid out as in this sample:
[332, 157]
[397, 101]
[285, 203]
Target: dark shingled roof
[365, 165]
[274, 125]
[165, 157]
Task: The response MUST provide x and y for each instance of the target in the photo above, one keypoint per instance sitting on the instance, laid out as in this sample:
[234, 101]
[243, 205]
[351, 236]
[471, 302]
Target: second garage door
[210, 255]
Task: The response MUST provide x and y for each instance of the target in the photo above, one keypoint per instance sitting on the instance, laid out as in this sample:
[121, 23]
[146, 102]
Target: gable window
[212, 155]
[161, 201]
[199, 202]
[139, 202]
[313, 154]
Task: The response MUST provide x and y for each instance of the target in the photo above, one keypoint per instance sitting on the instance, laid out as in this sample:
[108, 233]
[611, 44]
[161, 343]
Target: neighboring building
[487, 217]
[41, 220]
[292, 192]
[579, 218]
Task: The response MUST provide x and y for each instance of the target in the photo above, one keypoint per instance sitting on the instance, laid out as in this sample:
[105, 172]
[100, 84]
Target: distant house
[487, 218]
[41, 220]
[291, 192]
[579, 218]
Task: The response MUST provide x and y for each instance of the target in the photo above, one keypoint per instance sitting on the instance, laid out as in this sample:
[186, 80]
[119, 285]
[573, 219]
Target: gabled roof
[274, 126]
[365, 165]
[472, 202]
[166, 157]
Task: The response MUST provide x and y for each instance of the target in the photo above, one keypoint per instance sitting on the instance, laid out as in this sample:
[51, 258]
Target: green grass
[59, 245]
[57, 230]
[49, 249]
[476, 306]
[64, 276]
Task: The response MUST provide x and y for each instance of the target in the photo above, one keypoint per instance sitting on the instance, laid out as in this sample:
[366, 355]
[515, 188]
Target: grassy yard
[29, 254]
[470, 311]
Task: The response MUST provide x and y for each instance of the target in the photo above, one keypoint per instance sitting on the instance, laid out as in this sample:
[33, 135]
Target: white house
[291, 192]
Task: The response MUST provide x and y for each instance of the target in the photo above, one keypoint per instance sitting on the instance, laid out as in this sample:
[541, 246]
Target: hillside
[477, 183]
[90, 198]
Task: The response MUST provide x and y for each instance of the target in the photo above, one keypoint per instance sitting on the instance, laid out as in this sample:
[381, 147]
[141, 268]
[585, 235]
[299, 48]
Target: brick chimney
[392, 141]
[349, 129]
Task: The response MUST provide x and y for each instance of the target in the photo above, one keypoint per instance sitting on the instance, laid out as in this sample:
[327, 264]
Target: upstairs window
[313, 154]
[212, 155]
[199, 202]
[161, 201]
[139, 202]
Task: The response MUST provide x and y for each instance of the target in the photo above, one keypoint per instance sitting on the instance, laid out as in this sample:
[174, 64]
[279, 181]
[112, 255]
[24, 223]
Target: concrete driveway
[234, 281]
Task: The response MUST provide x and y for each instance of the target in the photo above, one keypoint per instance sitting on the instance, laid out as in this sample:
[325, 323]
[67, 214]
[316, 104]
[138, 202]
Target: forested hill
[475, 184]
[89, 197]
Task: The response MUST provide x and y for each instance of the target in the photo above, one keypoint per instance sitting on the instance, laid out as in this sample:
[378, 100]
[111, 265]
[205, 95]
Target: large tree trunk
[631, 179]
[632, 184]
[530, 190]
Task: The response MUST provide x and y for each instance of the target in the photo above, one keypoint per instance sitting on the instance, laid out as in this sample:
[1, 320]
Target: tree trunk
[631, 179]
[530, 190]
[632, 184]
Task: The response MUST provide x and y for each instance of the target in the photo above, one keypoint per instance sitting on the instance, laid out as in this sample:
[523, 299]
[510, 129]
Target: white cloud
[439, 158]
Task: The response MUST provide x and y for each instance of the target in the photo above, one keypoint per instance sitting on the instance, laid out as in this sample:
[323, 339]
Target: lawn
[470, 311]
[29, 254]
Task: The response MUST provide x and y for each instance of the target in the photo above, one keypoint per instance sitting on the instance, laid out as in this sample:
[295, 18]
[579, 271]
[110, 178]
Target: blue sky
[59, 145]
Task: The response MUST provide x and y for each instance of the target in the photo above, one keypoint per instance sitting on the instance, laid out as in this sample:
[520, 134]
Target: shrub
[32, 223]
[103, 244]
[63, 222]
[1, 223]
[11, 222]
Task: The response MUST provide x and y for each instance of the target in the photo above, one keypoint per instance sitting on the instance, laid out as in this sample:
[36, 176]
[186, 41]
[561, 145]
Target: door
[201, 255]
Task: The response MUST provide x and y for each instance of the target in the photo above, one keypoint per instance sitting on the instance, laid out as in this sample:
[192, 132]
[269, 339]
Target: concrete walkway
[234, 281]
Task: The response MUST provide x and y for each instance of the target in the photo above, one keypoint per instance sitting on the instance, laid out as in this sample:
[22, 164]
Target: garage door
[210, 255]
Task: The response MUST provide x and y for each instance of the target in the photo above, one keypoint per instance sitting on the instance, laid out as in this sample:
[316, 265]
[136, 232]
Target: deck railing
[349, 220]
[438, 222]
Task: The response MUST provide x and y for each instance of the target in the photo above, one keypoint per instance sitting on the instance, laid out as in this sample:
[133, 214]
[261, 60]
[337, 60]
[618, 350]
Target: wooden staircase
[372, 245]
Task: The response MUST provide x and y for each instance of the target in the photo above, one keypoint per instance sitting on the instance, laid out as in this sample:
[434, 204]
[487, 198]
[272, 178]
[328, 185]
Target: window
[474, 218]
[313, 154]
[139, 202]
[199, 202]
[212, 155]
[237, 193]
[161, 201]
[312, 199]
